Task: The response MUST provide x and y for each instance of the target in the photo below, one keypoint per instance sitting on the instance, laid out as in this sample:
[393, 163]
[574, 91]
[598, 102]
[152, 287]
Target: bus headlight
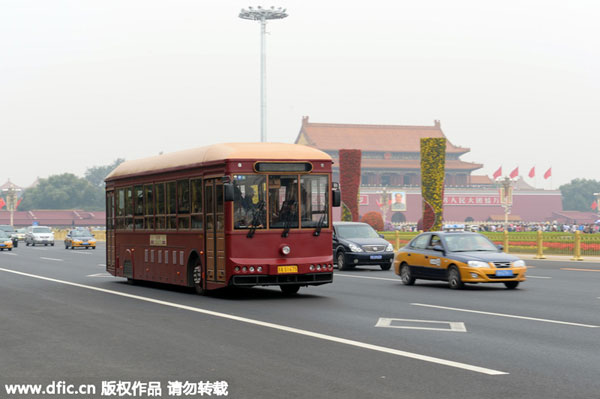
[285, 249]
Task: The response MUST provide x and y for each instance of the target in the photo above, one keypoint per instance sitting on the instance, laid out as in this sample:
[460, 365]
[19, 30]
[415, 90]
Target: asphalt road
[63, 318]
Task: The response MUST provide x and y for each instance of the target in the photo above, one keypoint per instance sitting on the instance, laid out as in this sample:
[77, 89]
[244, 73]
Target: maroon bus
[237, 214]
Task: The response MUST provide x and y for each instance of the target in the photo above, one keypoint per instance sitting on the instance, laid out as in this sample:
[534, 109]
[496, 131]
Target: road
[63, 318]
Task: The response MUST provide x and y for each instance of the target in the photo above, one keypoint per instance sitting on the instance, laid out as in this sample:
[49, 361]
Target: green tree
[96, 174]
[578, 195]
[65, 191]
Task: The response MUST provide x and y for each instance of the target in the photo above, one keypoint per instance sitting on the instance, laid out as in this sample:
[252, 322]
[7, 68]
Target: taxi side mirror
[500, 247]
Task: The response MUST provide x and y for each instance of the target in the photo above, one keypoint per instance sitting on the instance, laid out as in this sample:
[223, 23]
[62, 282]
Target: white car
[39, 235]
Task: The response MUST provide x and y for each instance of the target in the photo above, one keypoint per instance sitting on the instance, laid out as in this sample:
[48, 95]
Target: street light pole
[11, 200]
[262, 15]
[506, 198]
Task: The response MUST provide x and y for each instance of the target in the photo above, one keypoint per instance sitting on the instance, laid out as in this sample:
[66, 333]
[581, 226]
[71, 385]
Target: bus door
[215, 230]
[110, 232]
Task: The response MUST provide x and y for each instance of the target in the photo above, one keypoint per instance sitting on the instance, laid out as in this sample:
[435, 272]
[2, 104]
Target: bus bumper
[301, 279]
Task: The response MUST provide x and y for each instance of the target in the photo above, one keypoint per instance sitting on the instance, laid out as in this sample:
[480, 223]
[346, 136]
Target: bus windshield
[283, 200]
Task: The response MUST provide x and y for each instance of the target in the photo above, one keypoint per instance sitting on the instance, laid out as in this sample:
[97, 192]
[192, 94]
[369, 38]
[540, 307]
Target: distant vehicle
[357, 243]
[21, 234]
[458, 257]
[80, 238]
[39, 235]
[5, 241]
[11, 232]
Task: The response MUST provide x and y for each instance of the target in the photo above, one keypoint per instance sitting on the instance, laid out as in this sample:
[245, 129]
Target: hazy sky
[84, 82]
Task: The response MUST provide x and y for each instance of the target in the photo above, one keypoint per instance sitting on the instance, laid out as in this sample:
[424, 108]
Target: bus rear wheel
[197, 278]
[289, 289]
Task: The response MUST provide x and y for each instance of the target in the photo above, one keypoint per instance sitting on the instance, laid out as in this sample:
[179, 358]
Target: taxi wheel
[454, 279]
[511, 285]
[289, 289]
[9, 249]
[405, 275]
[341, 261]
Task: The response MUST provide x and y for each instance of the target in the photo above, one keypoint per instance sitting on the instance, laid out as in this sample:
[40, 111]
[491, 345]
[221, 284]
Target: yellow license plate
[287, 269]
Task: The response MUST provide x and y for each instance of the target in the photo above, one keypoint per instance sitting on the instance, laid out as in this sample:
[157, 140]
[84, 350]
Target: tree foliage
[374, 219]
[96, 174]
[65, 191]
[578, 195]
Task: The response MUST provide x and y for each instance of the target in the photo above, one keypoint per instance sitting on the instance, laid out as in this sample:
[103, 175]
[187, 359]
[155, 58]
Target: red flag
[548, 173]
[497, 173]
[532, 172]
[2, 203]
[594, 205]
[18, 202]
[514, 173]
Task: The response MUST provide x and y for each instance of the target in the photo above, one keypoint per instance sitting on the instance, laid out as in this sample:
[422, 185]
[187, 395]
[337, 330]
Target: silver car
[39, 235]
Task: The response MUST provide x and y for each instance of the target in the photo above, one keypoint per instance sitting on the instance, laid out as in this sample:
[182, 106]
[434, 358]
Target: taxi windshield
[468, 243]
[356, 231]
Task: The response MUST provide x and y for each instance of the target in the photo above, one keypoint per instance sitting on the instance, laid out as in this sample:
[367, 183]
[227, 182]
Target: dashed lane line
[506, 315]
[579, 270]
[279, 327]
[370, 278]
[54, 259]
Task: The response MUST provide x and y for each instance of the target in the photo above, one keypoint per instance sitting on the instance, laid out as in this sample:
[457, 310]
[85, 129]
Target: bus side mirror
[336, 195]
[228, 192]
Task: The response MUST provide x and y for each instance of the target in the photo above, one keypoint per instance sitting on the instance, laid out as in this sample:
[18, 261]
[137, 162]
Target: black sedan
[359, 244]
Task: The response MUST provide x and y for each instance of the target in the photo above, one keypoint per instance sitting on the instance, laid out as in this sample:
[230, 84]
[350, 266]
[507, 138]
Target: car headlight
[519, 263]
[476, 263]
[355, 248]
[390, 248]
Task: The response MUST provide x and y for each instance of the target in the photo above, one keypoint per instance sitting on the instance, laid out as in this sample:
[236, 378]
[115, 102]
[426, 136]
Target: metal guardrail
[576, 245]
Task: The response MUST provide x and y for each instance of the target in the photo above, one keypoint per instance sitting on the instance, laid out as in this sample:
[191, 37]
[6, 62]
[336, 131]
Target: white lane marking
[371, 278]
[506, 315]
[101, 264]
[528, 276]
[57, 260]
[280, 327]
[455, 326]
[80, 253]
[11, 254]
[100, 275]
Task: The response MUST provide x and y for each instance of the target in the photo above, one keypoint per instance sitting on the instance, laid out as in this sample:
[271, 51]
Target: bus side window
[171, 205]
[149, 208]
[183, 204]
[196, 203]
[160, 206]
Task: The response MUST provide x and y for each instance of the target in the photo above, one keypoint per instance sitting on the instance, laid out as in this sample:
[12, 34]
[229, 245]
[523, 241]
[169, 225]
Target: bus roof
[217, 152]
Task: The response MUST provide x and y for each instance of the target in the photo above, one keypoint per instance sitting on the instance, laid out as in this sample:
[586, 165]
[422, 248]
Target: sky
[85, 82]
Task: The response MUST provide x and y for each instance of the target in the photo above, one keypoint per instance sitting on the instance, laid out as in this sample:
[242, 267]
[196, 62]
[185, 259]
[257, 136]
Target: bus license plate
[287, 269]
[504, 273]
[373, 257]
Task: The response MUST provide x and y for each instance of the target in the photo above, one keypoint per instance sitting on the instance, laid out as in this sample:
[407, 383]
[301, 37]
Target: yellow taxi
[80, 239]
[5, 241]
[458, 257]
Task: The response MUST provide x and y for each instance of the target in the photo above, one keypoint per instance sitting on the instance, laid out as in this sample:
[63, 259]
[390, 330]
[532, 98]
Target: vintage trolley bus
[237, 214]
